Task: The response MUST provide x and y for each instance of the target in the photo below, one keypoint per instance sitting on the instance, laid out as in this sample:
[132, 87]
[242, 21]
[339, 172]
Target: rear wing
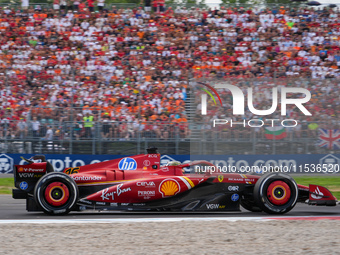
[26, 176]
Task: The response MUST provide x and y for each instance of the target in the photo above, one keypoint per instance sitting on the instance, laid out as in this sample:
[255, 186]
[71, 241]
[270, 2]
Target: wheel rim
[57, 194]
[278, 193]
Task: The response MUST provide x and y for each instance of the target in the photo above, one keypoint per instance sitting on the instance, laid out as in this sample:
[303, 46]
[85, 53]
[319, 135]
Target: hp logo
[235, 197]
[127, 164]
[23, 185]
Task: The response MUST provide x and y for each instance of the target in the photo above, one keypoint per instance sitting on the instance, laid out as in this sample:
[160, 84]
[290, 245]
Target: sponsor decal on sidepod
[111, 195]
[146, 194]
[146, 184]
[86, 178]
[169, 187]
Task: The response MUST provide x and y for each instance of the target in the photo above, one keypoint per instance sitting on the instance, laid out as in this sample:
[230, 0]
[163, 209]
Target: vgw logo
[6, 164]
[239, 100]
[127, 164]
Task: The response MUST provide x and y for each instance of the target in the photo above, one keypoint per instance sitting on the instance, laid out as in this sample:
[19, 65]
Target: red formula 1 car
[140, 183]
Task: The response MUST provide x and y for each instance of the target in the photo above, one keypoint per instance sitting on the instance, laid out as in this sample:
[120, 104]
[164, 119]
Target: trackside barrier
[299, 164]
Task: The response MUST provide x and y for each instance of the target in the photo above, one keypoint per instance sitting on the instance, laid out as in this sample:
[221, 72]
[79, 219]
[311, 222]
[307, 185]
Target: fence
[124, 137]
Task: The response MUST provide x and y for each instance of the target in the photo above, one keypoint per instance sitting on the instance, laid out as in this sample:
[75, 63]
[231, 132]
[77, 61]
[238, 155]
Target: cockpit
[194, 167]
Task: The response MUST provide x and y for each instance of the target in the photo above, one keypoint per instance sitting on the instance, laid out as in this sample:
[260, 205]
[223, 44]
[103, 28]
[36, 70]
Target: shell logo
[169, 187]
[21, 169]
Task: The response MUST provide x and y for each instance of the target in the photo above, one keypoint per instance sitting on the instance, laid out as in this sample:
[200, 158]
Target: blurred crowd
[129, 69]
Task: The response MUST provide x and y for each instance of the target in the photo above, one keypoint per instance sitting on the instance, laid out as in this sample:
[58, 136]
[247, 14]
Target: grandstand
[117, 80]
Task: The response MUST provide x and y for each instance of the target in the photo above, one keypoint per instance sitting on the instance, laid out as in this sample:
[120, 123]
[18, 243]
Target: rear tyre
[276, 193]
[56, 193]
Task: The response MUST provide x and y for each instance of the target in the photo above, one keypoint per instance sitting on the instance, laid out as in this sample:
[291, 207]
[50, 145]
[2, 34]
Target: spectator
[88, 124]
[90, 4]
[63, 4]
[312, 129]
[106, 127]
[76, 5]
[70, 4]
[147, 5]
[78, 126]
[44, 128]
[24, 4]
[115, 129]
[161, 5]
[123, 130]
[22, 129]
[35, 124]
[56, 5]
[100, 5]
[155, 5]
[49, 134]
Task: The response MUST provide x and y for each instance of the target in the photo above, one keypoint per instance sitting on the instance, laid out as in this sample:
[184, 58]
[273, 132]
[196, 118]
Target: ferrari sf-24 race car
[141, 183]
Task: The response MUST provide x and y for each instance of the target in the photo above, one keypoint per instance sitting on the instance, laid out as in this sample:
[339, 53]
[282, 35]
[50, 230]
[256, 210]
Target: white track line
[82, 221]
[177, 219]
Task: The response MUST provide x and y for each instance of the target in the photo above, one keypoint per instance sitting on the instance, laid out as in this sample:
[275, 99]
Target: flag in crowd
[329, 138]
[275, 133]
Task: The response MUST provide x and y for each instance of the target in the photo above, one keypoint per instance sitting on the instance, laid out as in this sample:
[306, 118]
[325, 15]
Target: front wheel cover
[276, 193]
[56, 193]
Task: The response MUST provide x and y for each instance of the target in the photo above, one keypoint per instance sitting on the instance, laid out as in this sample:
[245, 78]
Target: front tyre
[276, 193]
[56, 193]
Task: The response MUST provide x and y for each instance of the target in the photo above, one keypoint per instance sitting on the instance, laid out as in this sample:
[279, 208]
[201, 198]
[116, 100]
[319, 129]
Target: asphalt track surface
[15, 209]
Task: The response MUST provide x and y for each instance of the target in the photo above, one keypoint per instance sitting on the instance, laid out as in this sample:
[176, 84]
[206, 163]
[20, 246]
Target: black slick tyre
[56, 193]
[275, 193]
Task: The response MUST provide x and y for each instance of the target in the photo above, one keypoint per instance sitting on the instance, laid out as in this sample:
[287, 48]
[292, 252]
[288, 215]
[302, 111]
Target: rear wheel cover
[276, 193]
[56, 193]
